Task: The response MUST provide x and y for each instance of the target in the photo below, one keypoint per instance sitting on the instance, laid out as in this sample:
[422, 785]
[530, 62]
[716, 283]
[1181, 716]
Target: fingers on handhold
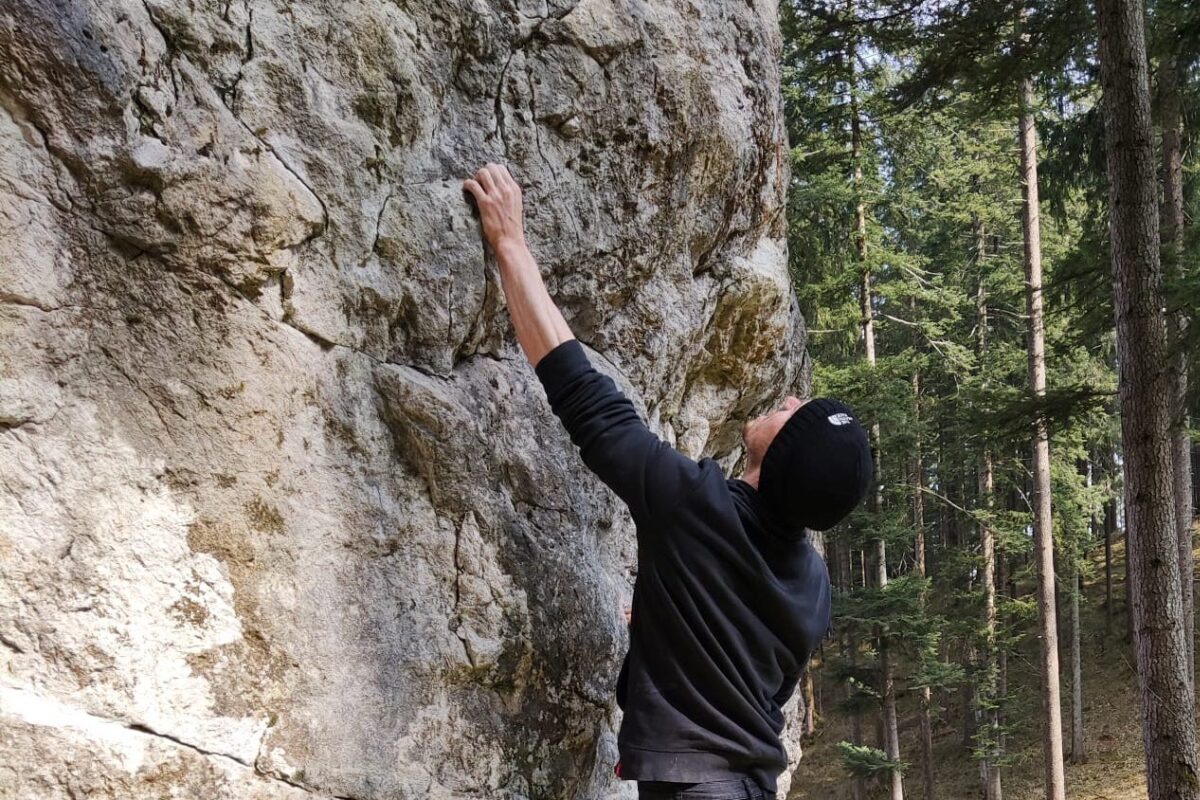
[495, 179]
[484, 176]
[503, 178]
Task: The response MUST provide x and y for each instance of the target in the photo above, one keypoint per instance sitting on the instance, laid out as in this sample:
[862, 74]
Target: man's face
[758, 432]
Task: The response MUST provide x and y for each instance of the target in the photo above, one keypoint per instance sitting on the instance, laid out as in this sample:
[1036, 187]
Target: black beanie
[817, 468]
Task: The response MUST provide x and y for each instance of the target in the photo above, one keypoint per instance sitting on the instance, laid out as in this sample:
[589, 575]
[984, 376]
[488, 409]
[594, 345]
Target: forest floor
[1114, 765]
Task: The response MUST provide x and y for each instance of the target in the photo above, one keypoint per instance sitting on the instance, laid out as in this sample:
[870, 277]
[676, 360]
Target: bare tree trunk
[856, 734]
[926, 702]
[969, 700]
[868, 326]
[1168, 710]
[918, 470]
[969, 689]
[1171, 236]
[1128, 582]
[810, 703]
[890, 727]
[919, 554]
[819, 695]
[991, 770]
[987, 544]
[891, 736]
[861, 249]
[845, 568]
[1043, 534]
[1078, 747]
[1110, 527]
[808, 726]
[1078, 742]
[994, 789]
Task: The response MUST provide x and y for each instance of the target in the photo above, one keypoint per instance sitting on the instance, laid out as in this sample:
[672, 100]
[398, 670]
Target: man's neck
[750, 476]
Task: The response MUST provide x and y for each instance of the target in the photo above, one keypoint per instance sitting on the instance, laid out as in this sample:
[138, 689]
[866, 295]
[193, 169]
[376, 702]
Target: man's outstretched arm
[539, 324]
[613, 441]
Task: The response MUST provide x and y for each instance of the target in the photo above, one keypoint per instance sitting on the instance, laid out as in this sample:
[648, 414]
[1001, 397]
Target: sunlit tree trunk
[987, 545]
[987, 539]
[1043, 534]
[891, 734]
[1145, 384]
[810, 704]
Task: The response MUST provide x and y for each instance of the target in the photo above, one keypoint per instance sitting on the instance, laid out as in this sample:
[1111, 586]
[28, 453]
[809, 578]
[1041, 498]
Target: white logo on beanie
[840, 419]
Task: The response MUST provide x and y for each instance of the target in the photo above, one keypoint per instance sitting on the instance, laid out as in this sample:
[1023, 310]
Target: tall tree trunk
[810, 703]
[987, 545]
[1168, 712]
[918, 470]
[1129, 599]
[1078, 743]
[1043, 534]
[891, 735]
[818, 542]
[1110, 527]
[818, 687]
[989, 690]
[868, 326]
[856, 734]
[1171, 235]
[926, 700]
[845, 567]
[860, 248]
[1078, 747]
[1001, 681]
[968, 698]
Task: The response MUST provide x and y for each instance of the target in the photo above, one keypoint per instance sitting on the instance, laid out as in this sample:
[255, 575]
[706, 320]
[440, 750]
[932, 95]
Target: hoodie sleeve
[644, 471]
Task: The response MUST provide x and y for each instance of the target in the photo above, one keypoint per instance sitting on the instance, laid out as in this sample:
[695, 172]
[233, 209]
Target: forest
[992, 234]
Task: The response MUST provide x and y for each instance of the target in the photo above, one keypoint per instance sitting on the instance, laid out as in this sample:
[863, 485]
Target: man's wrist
[510, 247]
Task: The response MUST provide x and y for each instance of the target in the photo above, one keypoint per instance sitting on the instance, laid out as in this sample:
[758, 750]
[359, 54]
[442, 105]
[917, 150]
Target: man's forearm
[539, 324]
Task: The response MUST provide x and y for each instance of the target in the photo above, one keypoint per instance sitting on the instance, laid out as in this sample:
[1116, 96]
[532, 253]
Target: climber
[730, 598]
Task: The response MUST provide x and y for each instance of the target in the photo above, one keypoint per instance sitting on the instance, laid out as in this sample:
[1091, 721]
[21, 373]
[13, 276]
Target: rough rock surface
[283, 512]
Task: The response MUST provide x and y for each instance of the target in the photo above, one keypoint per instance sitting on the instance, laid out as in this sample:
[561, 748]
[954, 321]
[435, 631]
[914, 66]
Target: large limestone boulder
[283, 511]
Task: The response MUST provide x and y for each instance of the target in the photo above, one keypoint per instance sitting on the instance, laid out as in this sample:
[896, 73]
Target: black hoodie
[727, 606]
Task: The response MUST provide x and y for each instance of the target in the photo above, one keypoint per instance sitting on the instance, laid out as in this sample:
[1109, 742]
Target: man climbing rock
[731, 598]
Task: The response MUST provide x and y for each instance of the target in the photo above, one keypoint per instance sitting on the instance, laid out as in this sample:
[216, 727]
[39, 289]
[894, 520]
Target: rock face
[283, 510]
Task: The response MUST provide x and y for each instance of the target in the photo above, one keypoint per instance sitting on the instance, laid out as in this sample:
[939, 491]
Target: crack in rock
[45, 711]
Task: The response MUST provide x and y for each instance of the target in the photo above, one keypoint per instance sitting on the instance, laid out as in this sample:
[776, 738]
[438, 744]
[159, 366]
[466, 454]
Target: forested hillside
[1021, 345]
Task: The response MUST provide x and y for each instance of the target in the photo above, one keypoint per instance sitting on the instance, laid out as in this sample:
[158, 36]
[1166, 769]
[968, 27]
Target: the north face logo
[840, 419]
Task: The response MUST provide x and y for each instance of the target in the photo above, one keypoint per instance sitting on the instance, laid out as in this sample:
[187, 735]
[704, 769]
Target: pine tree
[1168, 720]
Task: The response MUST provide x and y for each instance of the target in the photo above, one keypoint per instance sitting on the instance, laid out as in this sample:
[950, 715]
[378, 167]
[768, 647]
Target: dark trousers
[730, 789]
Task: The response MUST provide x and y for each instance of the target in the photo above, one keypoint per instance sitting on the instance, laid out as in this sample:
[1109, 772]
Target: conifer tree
[1168, 717]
